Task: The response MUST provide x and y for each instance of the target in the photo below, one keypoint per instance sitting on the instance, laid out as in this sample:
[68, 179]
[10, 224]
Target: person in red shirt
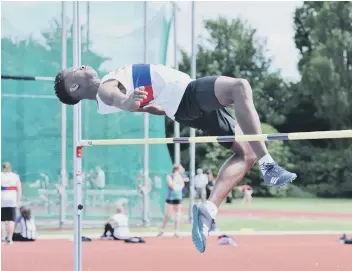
[247, 193]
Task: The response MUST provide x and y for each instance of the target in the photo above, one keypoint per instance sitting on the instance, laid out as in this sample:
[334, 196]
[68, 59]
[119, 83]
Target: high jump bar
[220, 139]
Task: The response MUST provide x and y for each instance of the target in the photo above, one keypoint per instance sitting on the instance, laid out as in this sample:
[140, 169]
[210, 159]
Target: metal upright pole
[192, 149]
[177, 148]
[87, 105]
[88, 24]
[63, 118]
[146, 135]
[77, 132]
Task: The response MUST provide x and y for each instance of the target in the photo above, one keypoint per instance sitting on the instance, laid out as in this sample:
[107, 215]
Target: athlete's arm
[153, 109]
[169, 181]
[19, 191]
[183, 184]
[110, 93]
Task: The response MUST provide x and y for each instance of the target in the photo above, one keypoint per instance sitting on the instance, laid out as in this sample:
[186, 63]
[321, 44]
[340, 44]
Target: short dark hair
[26, 212]
[176, 167]
[61, 91]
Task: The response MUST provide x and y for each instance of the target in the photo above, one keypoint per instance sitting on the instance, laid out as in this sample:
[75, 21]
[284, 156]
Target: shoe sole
[196, 236]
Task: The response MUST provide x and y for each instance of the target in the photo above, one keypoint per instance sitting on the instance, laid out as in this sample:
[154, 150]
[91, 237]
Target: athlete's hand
[135, 99]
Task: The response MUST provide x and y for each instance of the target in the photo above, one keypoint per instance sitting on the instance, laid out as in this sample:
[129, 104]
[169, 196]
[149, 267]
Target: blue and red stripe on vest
[142, 78]
[8, 188]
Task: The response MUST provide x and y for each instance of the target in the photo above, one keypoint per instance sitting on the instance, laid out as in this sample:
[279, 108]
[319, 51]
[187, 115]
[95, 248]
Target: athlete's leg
[3, 231]
[10, 230]
[177, 212]
[107, 228]
[230, 174]
[11, 224]
[244, 198]
[211, 94]
[168, 211]
[239, 92]
[233, 170]
[248, 194]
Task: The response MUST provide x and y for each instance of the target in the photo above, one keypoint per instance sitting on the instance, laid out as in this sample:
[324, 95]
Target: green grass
[272, 224]
[293, 204]
[284, 225]
[239, 224]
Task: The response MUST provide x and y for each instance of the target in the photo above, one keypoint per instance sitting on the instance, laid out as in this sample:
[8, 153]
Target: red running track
[254, 253]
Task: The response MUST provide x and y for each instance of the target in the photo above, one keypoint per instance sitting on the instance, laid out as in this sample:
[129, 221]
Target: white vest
[166, 86]
[9, 189]
[120, 225]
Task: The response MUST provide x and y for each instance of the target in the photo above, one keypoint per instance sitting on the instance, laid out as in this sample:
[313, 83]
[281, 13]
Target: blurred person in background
[26, 224]
[344, 239]
[211, 182]
[117, 224]
[176, 183]
[143, 186]
[42, 182]
[158, 183]
[99, 184]
[200, 184]
[247, 191]
[99, 180]
[11, 194]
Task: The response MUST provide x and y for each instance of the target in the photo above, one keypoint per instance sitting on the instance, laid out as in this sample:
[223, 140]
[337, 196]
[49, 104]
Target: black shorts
[174, 201]
[200, 109]
[8, 214]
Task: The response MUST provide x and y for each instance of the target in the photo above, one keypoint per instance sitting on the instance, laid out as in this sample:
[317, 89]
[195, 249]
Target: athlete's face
[181, 170]
[79, 80]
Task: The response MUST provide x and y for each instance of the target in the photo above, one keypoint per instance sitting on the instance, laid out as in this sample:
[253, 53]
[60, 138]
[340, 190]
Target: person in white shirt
[117, 224]
[27, 228]
[99, 180]
[198, 103]
[11, 193]
[200, 184]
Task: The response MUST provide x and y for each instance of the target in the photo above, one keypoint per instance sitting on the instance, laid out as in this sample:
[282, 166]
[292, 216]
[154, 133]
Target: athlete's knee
[242, 89]
[245, 151]
[250, 158]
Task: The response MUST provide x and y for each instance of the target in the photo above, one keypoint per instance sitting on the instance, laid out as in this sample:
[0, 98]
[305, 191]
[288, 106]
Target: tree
[323, 97]
[324, 38]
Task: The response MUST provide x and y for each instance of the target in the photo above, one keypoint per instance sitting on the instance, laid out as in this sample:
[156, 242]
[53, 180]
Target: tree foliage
[323, 36]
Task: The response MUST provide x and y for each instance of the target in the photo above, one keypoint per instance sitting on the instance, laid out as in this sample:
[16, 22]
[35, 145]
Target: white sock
[211, 208]
[266, 159]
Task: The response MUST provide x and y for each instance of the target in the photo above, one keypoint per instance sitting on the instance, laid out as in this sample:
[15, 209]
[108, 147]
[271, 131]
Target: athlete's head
[199, 171]
[120, 205]
[178, 169]
[75, 84]
[26, 212]
[6, 167]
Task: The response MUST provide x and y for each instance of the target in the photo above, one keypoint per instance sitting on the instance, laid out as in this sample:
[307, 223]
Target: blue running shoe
[274, 175]
[202, 224]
